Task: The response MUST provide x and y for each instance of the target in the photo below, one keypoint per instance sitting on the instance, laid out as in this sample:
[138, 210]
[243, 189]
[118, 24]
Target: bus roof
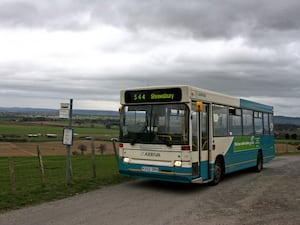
[247, 104]
[198, 94]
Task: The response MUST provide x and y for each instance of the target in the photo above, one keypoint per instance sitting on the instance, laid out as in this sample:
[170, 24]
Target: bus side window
[247, 122]
[266, 123]
[271, 123]
[220, 115]
[235, 121]
[258, 123]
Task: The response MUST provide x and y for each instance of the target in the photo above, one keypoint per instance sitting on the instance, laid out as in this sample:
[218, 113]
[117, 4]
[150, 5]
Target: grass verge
[287, 153]
[29, 189]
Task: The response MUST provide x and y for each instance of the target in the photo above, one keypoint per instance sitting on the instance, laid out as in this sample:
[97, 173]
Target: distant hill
[287, 120]
[95, 112]
[27, 110]
[277, 119]
[41, 111]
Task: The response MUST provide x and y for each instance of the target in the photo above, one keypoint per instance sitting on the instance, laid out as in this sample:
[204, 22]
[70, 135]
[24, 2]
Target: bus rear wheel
[259, 163]
[218, 172]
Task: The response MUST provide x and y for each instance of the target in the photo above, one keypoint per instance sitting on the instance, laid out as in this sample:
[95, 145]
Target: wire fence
[21, 181]
[21, 173]
[287, 147]
[38, 178]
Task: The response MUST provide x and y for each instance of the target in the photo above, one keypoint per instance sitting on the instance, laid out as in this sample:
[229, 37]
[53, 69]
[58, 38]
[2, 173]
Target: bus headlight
[126, 160]
[177, 163]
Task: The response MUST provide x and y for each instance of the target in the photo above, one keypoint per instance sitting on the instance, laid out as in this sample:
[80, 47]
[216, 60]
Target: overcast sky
[51, 51]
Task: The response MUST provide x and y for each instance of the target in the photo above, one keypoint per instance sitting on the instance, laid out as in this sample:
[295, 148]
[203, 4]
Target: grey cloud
[208, 19]
[52, 15]
[259, 22]
[18, 14]
[266, 66]
[204, 19]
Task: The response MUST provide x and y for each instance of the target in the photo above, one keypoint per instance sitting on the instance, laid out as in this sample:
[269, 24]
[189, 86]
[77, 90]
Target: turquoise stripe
[255, 106]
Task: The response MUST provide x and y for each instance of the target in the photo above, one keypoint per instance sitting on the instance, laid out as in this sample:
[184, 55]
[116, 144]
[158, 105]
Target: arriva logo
[151, 154]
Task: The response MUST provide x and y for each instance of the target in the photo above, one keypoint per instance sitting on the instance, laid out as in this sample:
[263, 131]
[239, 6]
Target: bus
[191, 135]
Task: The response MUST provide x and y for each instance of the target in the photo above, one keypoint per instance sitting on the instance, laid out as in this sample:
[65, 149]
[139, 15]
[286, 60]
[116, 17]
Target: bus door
[201, 138]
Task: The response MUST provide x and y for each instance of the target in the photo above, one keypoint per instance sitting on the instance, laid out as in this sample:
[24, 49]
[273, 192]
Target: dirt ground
[49, 148]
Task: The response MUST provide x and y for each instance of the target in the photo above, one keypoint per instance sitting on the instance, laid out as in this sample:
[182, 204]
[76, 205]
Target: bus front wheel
[218, 172]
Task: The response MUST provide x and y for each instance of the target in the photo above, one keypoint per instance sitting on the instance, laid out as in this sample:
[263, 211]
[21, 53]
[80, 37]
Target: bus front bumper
[164, 173]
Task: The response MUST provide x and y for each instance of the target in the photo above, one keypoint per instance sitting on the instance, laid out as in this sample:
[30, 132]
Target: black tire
[218, 172]
[259, 163]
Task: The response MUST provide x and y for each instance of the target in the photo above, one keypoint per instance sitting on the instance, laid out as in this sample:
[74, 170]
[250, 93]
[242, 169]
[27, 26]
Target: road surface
[269, 197]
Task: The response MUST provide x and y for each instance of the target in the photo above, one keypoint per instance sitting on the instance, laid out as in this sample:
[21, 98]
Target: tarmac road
[269, 197]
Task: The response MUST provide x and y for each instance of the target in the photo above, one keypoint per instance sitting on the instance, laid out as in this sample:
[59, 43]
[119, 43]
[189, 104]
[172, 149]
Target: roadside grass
[287, 153]
[286, 141]
[23, 130]
[28, 186]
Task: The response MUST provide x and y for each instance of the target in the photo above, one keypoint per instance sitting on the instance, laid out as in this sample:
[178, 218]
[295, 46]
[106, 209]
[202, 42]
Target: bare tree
[102, 148]
[82, 148]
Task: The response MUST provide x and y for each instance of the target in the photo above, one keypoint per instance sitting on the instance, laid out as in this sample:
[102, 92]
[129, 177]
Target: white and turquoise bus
[188, 134]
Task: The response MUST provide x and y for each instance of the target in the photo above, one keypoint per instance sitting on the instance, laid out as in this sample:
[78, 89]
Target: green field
[19, 132]
[29, 188]
[287, 141]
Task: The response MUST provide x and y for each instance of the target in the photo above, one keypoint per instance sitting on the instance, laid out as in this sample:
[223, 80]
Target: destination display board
[157, 95]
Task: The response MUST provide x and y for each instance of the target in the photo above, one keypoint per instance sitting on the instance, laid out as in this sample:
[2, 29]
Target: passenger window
[258, 123]
[247, 122]
[266, 124]
[235, 121]
[220, 115]
[271, 124]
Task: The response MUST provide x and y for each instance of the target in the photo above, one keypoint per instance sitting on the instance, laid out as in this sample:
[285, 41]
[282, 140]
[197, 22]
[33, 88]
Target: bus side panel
[267, 145]
[246, 158]
[203, 169]
[238, 160]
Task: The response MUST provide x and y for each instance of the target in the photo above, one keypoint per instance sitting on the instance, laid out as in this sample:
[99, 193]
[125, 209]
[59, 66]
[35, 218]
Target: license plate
[150, 169]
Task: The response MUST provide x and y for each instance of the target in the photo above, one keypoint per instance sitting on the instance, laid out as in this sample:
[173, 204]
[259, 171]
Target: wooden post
[93, 158]
[42, 171]
[12, 175]
[71, 168]
[114, 140]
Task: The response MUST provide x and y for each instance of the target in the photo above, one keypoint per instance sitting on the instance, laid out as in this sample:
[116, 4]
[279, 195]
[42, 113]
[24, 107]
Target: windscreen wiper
[134, 140]
[167, 143]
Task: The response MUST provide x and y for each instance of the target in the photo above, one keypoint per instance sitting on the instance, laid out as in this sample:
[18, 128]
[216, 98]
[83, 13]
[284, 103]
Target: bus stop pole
[68, 147]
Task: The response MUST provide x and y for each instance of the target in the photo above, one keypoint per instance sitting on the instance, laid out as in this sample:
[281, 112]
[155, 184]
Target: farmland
[21, 134]
[22, 139]
[22, 131]
[28, 188]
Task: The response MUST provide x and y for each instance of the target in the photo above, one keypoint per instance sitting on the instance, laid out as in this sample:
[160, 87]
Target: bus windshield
[155, 124]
